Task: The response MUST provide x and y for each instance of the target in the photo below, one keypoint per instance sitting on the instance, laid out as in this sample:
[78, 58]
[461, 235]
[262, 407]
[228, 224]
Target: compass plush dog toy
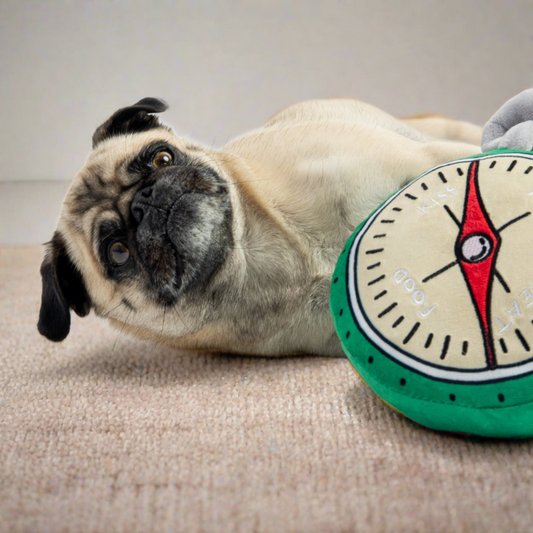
[432, 296]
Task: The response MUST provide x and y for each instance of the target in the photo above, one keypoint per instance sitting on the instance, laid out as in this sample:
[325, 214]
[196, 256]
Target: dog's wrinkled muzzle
[182, 228]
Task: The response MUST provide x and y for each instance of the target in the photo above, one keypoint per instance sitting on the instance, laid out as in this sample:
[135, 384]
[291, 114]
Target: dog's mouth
[182, 230]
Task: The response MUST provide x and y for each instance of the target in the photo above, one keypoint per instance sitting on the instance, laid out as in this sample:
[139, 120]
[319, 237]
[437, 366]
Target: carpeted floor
[104, 433]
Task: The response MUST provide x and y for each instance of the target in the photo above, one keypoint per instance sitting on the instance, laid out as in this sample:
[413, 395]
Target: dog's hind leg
[439, 127]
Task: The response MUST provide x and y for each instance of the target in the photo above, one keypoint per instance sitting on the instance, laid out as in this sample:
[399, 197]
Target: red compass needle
[476, 249]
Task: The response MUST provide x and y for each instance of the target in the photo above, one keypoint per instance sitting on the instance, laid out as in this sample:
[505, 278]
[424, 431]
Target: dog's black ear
[63, 289]
[132, 119]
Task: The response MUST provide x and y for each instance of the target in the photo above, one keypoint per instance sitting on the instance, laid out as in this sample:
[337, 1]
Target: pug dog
[230, 250]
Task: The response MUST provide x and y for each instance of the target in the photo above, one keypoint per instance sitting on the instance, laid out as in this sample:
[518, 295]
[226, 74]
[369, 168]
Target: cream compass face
[440, 278]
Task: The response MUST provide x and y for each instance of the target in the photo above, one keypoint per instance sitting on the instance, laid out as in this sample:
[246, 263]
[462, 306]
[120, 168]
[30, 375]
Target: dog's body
[231, 250]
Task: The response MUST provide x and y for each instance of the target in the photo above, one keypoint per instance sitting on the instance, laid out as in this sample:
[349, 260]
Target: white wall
[226, 66]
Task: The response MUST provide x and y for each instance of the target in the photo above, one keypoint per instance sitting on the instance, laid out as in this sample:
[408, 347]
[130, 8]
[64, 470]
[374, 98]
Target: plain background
[227, 66]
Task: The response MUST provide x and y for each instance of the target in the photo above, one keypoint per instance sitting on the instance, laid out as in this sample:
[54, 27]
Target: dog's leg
[446, 129]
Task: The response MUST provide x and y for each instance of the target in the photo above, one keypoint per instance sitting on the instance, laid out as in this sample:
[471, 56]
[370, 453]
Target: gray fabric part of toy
[511, 126]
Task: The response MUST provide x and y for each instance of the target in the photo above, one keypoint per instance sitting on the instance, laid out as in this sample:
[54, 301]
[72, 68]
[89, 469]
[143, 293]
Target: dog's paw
[511, 126]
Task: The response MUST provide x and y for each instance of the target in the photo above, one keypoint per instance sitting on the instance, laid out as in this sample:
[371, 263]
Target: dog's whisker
[114, 309]
[120, 332]
[181, 319]
[158, 340]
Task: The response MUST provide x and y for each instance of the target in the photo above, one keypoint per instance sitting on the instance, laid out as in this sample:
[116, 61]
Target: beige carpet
[103, 433]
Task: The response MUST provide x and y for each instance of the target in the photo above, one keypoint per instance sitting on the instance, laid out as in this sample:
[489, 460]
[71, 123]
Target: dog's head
[145, 228]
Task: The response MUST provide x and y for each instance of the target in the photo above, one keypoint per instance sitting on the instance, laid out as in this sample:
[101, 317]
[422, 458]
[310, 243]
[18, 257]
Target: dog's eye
[118, 253]
[162, 159]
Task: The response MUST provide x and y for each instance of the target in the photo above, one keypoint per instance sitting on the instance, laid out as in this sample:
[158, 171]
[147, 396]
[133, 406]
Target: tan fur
[299, 186]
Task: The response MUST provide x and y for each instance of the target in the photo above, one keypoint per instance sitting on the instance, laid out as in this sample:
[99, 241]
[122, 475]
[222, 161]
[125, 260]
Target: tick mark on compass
[376, 280]
[522, 340]
[378, 296]
[398, 321]
[410, 196]
[370, 267]
[428, 340]
[464, 351]
[397, 209]
[380, 236]
[409, 336]
[424, 186]
[387, 221]
[493, 164]
[376, 251]
[445, 346]
[511, 166]
[387, 310]
[503, 345]
[529, 169]
[442, 178]
[460, 171]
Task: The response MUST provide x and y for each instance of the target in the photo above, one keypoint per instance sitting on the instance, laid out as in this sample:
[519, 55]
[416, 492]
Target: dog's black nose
[137, 213]
[138, 206]
[147, 192]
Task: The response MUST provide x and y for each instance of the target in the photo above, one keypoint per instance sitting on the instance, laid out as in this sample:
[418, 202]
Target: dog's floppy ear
[132, 119]
[63, 289]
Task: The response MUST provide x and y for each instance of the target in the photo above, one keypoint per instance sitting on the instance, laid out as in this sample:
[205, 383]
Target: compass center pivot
[476, 248]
